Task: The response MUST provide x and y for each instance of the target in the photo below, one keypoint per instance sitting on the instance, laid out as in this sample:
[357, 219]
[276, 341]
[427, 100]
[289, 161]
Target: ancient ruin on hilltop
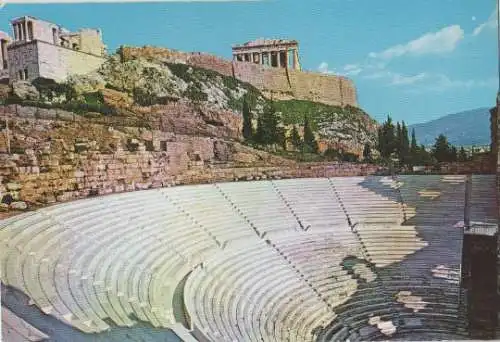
[43, 49]
[278, 53]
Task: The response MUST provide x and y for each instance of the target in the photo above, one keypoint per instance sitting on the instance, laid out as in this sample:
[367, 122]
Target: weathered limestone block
[18, 206]
[65, 115]
[25, 90]
[13, 186]
[47, 114]
[29, 112]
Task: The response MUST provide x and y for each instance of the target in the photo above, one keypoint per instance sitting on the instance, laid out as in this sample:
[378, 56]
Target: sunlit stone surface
[289, 260]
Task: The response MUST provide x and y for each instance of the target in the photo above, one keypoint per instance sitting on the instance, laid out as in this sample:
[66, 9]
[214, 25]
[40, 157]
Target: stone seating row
[313, 201]
[273, 304]
[78, 272]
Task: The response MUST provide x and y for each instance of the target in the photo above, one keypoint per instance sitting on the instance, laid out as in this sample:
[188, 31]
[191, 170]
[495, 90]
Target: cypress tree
[405, 144]
[413, 146]
[453, 154]
[386, 138]
[267, 126]
[462, 155]
[367, 153]
[247, 121]
[309, 139]
[441, 149]
[398, 145]
[295, 137]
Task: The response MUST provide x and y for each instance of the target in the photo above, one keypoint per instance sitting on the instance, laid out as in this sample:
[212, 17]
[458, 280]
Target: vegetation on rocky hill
[128, 88]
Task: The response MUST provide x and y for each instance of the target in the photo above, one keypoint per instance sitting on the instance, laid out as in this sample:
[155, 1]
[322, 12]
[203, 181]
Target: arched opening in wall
[247, 57]
[30, 30]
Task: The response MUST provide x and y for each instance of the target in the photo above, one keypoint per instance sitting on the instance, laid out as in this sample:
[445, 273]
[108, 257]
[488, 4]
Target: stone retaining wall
[280, 83]
[58, 160]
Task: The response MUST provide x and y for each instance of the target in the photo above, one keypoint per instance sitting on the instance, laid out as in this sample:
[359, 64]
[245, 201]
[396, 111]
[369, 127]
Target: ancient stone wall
[43, 59]
[58, 62]
[278, 83]
[54, 160]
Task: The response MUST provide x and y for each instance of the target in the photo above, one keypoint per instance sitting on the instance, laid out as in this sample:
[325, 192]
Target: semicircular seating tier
[285, 260]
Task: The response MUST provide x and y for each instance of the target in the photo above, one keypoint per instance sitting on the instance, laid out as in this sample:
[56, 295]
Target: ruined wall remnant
[54, 157]
[278, 83]
[44, 49]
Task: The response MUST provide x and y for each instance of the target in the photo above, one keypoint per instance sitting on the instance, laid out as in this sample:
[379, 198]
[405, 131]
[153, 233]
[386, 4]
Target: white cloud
[442, 82]
[442, 41]
[352, 69]
[491, 23]
[398, 79]
[430, 82]
[324, 69]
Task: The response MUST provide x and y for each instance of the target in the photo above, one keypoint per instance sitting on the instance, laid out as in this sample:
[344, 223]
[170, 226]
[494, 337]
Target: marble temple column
[24, 30]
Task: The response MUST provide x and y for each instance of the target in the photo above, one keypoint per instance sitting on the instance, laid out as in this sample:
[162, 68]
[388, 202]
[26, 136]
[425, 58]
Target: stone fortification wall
[279, 83]
[58, 62]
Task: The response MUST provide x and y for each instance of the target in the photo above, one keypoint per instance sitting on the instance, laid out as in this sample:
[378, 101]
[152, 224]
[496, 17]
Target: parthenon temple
[270, 52]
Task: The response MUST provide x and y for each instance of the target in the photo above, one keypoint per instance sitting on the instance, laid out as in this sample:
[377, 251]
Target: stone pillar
[3, 46]
[29, 30]
[295, 59]
[286, 58]
[17, 34]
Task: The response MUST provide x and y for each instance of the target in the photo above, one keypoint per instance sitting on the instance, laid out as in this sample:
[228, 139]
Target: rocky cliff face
[190, 100]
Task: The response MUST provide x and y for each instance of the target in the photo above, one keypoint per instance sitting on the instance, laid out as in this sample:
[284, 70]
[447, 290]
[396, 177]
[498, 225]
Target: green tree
[386, 138]
[413, 146]
[310, 143]
[441, 150]
[247, 121]
[462, 155]
[267, 126]
[405, 144]
[367, 153]
[453, 154]
[295, 137]
[281, 137]
[398, 142]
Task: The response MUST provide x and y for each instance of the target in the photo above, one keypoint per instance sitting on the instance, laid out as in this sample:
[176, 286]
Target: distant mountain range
[471, 127]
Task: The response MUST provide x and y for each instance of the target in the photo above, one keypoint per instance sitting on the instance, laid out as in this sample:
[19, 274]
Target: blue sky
[416, 60]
